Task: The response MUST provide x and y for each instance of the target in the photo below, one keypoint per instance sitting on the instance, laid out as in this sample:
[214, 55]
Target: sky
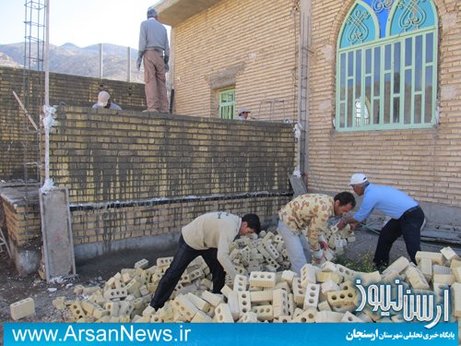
[81, 22]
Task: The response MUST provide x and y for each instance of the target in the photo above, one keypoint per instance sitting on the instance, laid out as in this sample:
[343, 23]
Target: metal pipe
[303, 83]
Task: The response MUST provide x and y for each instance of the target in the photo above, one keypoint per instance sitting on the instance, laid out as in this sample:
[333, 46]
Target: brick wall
[256, 42]
[425, 163]
[18, 140]
[247, 43]
[133, 174]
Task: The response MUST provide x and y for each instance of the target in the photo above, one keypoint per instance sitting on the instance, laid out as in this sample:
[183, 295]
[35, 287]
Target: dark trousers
[409, 226]
[184, 255]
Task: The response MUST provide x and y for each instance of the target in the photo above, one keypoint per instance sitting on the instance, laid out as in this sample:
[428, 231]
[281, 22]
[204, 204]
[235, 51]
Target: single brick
[22, 308]
[262, 279]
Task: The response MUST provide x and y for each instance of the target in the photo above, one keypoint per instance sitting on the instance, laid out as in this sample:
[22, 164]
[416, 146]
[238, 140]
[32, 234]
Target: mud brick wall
[18, 139]
[133, 174]
[21, 213]
[425, 163]
[254, 50]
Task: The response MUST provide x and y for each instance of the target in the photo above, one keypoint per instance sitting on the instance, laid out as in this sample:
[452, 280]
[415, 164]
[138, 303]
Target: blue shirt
[153, 34]
[386, 199]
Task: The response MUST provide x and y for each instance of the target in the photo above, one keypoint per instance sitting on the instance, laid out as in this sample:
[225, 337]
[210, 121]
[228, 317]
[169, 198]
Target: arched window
[387, 66]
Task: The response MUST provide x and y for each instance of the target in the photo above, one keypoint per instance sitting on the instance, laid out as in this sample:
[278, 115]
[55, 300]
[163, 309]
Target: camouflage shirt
[308, 214]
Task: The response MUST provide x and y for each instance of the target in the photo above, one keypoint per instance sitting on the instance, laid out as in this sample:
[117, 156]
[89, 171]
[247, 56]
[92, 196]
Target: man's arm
[141, 46]
[223, 257]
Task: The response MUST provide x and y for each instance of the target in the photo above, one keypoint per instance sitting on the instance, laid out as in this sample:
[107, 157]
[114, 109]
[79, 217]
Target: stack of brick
[267, 293]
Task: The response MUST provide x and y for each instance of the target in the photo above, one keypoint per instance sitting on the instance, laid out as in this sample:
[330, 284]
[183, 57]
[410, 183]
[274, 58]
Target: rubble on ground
[263, 291]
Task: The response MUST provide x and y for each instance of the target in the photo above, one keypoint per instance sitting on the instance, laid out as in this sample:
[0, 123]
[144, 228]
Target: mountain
[73, 60]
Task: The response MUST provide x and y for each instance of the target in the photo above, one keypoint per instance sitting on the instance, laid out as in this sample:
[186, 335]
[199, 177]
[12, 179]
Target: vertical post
[47, 90]
[47, 53]
[303, 83]
[128, 77]
[101, 66]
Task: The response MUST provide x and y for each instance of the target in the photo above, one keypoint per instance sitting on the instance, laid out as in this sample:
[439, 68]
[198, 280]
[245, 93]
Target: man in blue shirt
[407, 217]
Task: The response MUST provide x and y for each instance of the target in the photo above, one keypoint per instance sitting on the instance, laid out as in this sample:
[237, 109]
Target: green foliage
[364, 264]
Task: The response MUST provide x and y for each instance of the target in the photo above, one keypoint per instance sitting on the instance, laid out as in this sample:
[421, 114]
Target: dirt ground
[98, 270]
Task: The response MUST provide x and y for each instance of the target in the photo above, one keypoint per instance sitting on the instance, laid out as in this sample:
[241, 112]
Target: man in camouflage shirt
[306, 216]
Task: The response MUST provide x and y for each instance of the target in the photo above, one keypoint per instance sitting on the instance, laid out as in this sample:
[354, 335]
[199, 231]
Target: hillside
[73, 60]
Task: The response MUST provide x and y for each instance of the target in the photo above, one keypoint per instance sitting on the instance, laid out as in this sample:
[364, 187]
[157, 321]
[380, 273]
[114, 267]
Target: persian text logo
[389, 300]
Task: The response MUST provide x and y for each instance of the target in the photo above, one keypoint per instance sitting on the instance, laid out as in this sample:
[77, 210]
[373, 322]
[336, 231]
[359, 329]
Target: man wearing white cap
[104, 101]
[407, 217]
[244, 113]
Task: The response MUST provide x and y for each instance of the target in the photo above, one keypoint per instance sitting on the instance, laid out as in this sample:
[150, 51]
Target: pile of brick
[261, 263]
[263, 291]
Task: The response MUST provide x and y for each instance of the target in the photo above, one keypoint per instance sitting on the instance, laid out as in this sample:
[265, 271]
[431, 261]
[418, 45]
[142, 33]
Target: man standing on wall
[154, 49]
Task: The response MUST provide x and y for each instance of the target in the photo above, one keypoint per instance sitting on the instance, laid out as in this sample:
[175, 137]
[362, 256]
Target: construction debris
[264, 290]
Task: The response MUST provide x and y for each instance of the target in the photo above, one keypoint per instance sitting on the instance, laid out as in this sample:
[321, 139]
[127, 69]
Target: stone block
[308, 274]
[262, 279]
[280, 302]
[233, 303]
[22, 308]
[348, 274]
[324, 306]
[435, 257]
[143, 263]
[185, 307]
[244, 300]
[76, 310]
[328, 317]
[311, 297]
[307, 316]
[325, 276]
[164, 261]
[425, 266]
[258, 297]
[350, 318]
[223, 313]
[416, 278]
[341, 301]
[212, 298]
[113, 294]
[449, 253]
[399, 265]
[264, 312]
[249, 317]
[298, 291]
[240, 283]
[288, 275]
[201, 317]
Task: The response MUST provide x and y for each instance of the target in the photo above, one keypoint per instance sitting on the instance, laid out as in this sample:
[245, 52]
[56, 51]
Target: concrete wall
[248, 44]
[18, 140]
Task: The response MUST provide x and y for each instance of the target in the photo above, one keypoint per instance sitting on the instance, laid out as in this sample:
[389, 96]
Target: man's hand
[342, 223]
[324, 245]
[138, 63]
[166, 58]
[167, 68]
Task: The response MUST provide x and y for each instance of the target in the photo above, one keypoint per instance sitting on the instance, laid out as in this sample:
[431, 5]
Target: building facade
[382, 91]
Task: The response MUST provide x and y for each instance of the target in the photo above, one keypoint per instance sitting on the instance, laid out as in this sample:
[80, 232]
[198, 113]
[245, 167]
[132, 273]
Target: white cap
[244, 110]
[103, 98]
[358, 179]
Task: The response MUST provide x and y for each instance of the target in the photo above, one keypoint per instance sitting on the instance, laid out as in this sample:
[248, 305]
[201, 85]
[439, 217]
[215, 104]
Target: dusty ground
[98, 270]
